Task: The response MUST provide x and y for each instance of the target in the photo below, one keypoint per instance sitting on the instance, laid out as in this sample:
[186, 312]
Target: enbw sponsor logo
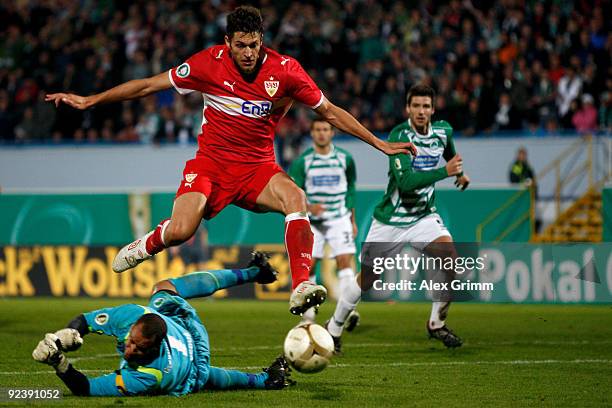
[256, 109]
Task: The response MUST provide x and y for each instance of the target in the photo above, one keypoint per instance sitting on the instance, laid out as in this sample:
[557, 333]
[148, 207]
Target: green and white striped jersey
[410, 193]
[327, 179]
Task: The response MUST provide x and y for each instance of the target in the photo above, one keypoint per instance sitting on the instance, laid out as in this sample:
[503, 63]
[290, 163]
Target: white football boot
[306, 295]
[131, 255]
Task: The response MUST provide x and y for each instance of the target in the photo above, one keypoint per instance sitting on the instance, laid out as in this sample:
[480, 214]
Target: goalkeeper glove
[70, 339]
[47, 352]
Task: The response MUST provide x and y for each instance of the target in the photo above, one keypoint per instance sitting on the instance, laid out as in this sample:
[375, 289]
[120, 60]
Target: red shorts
[225, 184]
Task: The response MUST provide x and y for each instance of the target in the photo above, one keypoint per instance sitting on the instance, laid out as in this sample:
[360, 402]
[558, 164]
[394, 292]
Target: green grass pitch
[514, 355]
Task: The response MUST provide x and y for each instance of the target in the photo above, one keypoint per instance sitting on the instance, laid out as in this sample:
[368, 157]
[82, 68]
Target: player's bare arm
[456, 163]
[134, 89]
[454, 167]
[344, 121]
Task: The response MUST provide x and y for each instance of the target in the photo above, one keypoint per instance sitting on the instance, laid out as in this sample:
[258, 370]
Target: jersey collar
[429, 130]
[332, 151]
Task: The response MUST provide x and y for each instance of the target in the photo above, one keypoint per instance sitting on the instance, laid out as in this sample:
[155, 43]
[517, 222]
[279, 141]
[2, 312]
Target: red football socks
[298, 240]
[155, 242]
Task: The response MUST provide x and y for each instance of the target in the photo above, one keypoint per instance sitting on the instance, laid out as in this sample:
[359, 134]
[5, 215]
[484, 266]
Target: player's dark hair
[246, 19]
[319, 120]
[153, 327]
[421, 90]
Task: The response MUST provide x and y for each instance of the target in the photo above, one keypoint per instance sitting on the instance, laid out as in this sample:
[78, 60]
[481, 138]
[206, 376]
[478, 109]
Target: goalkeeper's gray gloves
[48, 352]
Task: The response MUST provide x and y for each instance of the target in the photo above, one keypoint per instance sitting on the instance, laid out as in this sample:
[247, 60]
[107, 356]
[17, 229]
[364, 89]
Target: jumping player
[407, 212]
[246, 88]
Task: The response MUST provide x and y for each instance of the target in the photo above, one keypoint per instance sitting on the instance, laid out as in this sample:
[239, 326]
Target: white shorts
[338, 233]
[419, 234]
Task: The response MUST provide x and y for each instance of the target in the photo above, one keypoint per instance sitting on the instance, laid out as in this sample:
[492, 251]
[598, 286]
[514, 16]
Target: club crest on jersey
[183, 70]
[398, 164]
[271, 86]
[101, 319]
[190, 177]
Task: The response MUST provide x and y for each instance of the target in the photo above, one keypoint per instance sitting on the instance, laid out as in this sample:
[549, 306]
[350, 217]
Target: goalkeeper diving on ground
[164, 345]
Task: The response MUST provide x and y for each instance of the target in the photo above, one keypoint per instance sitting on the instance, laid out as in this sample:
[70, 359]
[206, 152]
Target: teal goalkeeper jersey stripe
[402, 208]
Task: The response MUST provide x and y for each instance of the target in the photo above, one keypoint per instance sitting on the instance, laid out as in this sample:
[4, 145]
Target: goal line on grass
[398, 364]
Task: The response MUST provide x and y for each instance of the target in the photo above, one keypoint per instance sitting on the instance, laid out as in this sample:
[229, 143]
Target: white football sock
[309, 316]
[439, 311]
[347, 303]
[344, 277]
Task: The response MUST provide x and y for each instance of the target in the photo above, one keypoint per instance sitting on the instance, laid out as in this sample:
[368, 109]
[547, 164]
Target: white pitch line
[216, 350]
[94, 357]
[400, 364]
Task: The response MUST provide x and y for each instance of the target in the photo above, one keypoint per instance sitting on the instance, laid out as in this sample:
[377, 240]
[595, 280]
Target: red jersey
[239, 117]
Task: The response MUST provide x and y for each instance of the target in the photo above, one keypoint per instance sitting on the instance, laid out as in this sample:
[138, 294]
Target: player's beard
[250, 76]
[422, 130]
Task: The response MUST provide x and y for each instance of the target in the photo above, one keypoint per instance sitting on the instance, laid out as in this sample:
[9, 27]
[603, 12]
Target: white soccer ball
[308, 348]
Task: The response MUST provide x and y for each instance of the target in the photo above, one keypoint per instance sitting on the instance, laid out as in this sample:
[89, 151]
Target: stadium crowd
[507, 65]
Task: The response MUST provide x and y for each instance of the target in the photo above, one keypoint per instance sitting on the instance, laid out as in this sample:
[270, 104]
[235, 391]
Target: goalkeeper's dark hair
[246, 19]
[421, 90]
[153, 327]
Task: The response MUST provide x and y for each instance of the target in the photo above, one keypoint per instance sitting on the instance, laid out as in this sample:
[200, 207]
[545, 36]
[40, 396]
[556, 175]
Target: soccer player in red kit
[247, 89]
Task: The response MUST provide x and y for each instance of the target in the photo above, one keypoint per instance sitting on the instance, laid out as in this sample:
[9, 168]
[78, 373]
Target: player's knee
[295, 200]
[343, 261]
[178, 232]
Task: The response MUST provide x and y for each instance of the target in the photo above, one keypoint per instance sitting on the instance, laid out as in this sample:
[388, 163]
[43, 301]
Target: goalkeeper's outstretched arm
[79, 324]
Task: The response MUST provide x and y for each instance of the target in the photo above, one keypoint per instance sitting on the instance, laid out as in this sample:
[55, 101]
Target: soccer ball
[308, 348]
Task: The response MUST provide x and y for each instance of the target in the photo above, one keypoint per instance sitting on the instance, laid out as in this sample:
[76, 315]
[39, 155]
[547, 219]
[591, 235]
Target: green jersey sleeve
[297, 171]
[351, 178]
[400, 168]
[449, 150]
[407, 180]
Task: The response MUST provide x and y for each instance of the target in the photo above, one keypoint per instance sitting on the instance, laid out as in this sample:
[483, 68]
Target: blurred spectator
[7, 118]
[128, 131]
[568, 90]
[541, 54]
[26, 129]
[521, 171]
[605, 112]
[44, 116]
[585, 119]
[507, 117]
[150, 123]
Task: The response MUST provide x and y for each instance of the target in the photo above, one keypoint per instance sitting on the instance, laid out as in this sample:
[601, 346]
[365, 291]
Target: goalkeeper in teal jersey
[406, 213]
[164, 345]
[327, 175]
